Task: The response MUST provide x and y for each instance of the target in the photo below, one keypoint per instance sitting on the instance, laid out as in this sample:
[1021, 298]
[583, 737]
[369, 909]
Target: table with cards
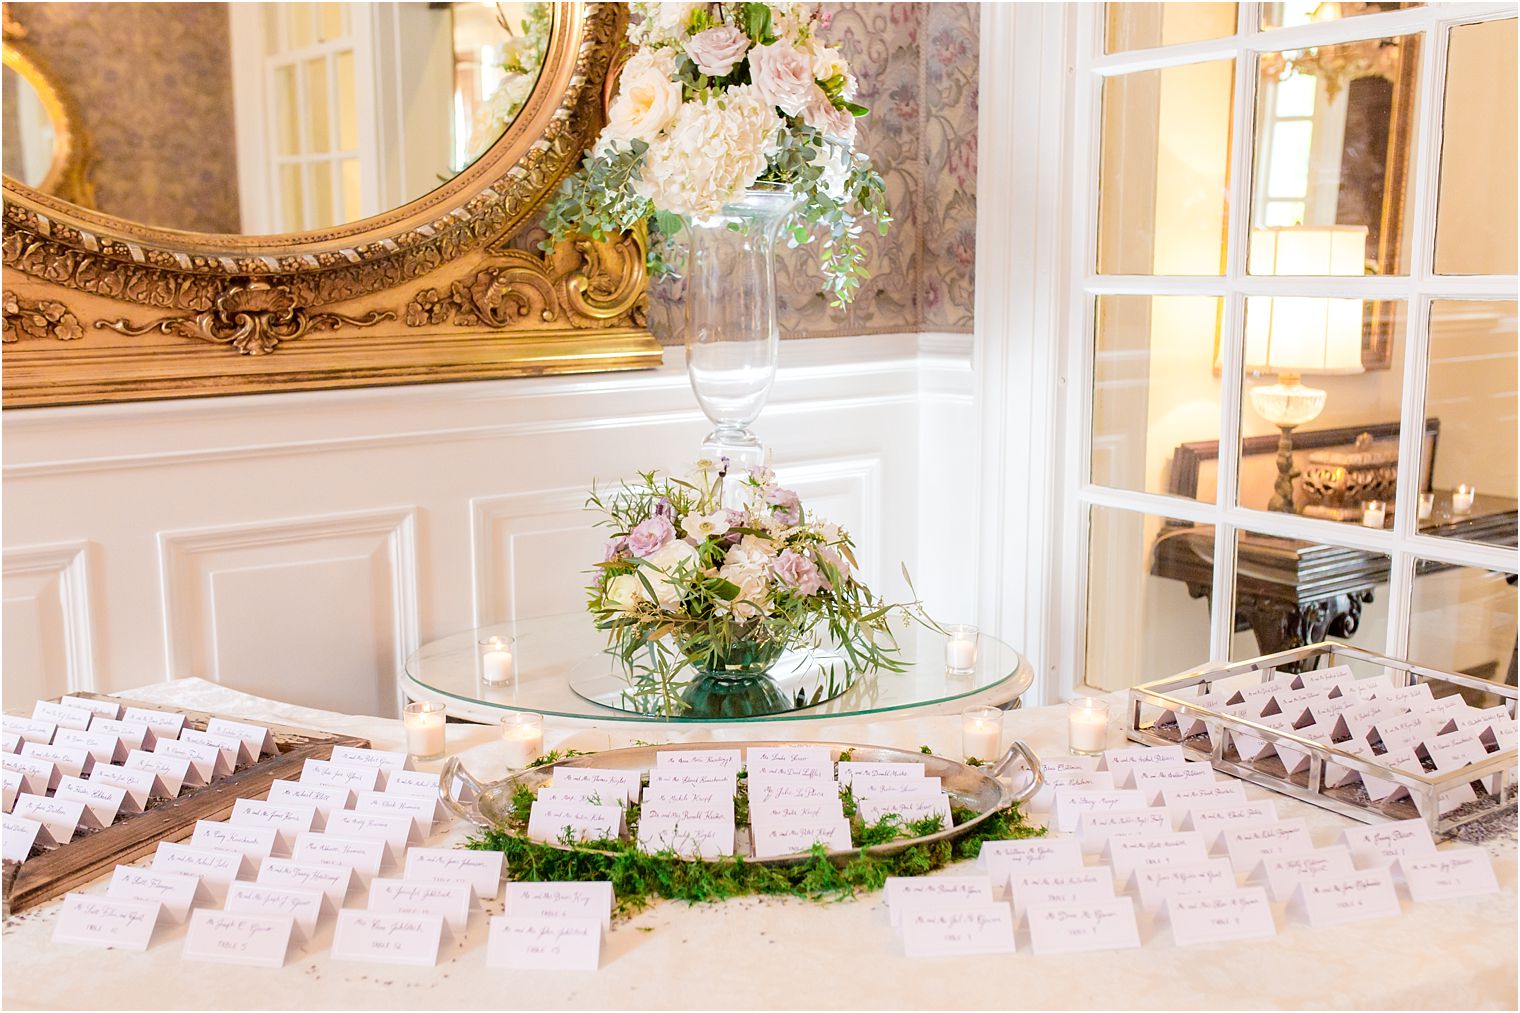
[1159, 884]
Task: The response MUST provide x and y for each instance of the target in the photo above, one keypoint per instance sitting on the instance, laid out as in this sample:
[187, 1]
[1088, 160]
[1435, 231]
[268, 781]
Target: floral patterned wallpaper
[917, 68]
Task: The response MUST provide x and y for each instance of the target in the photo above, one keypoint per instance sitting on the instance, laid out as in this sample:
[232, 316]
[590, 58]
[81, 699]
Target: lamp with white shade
[1293, 335]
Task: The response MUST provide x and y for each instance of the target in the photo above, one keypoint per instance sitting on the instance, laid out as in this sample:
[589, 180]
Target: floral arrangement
[690, 587]
[716, 98]
[522, 55]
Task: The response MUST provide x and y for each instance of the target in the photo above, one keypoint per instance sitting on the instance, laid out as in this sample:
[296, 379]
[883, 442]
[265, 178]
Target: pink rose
[716, 50]
[786, 507]
[797, 572]
[821, 115]
[648, 537]
[783, 76]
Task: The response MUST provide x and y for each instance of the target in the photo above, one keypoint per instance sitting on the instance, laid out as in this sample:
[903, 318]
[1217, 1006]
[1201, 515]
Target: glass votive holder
[1427, 505]
[1087, 725]
[425, 722]
[960, 648]
[981, 733]
[1462, 498]
[494, 660]
[1373, 513]
[522, 738]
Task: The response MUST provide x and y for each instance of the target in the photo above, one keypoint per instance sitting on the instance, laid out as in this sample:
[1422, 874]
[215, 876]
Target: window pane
[1165, 170]
[1148, 590]
[1290, 592]
[1154, 389]
[321, 195]
[1286, 15]
[1475, 213]
[300, 25]
[1463, 620]
[348, 105]
[292, 202]
[1331, 370]
[1333, 129]
[314, 74]
[1145, 25]
[1470, 392]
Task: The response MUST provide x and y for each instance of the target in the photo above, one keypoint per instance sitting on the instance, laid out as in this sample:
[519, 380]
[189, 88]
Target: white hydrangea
[713, 150]
[660, 24]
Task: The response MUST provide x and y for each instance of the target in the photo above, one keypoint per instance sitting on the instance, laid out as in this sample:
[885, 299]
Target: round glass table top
[559, 667]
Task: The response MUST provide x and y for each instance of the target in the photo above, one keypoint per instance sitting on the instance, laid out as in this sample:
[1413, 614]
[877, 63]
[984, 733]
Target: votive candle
[496, 660]
[960, 648]
[522, 738]
[1427, 505]
[1373, 512]
[424, 721]
[1087, 725]
[1462, 499]
[982, 733]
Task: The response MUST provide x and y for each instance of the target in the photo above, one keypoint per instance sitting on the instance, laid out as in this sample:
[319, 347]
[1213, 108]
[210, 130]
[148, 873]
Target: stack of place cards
[584, 804]
[940, 916]
[791, 808]
[551, 926]
[895, 789]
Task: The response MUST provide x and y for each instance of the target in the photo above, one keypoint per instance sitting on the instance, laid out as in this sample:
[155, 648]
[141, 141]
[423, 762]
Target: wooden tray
[94, 852]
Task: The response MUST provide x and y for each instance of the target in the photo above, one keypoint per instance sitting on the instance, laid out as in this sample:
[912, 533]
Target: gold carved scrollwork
[39, 318]
[252, 318]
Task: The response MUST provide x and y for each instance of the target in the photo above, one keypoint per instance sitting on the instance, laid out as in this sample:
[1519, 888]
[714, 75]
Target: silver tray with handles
[981, 790]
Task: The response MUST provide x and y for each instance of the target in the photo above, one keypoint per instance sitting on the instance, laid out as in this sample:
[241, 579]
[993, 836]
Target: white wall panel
[49, 648]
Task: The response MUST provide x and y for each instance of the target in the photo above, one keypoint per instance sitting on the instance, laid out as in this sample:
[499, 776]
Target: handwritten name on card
[256, 737]
[13, 786]
[325, 798]
[222, 937]
[130, 734]
[1068, 764]
[1100, 925]
[170, 772]
[776, 771]
[482, 870]
[924, 893]
[414, 807]
[1229, 914]
[680, 778]
[102, 746]
[1158, 882]
[449, 901]
[70, 761]
[138, 784]
[164, 724]
[387, 938]
[62, 715]
[1003, 859]
[687, 837]
[1284, 872]
[1181, 801]
[205, 760]
[333, 880]
[877, 789]
[101, 801]
[561, 900]
[1248, 845]
[1338, 900]
[817, 809]
[215, 869]
[561, 944]
[59, 817]
[337, 775]
[814, 756]
[699, 759]
[104, 921]
[1072, 804]
[986, 928]
[1155, 780]
[286, 819]
[1095, 830]
[1213, 821]
[554, 821]
[301, 905]
[907, 808]
[253, 843]
[618, 785]
[174, 891]
[21, 834]
[233, 752]
[792, 791]
[1082, 780]
[396, 831]
[1079, 886]
[1380, 844]
[779, 839]
[1128, 853]
[1454, 872]
[849, 770]
[38, 776]
[1123, 763]
[363, 856]
[30, 729]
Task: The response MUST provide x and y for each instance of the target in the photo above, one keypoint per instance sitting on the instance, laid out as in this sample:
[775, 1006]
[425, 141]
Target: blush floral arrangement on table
[719, 99]
[700, 600]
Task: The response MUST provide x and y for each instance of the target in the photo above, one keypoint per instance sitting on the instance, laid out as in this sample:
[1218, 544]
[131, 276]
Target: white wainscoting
[301, 545]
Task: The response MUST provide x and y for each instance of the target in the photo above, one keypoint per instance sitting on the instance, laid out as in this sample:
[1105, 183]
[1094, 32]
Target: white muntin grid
[1402, 544]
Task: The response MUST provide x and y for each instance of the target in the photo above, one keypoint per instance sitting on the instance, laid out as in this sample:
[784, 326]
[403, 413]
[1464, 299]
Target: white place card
[669, 794]
[1338, 900]
[286, 819]
[449, 901]
[698, 759]
[1455, 750]
[1454, 872]
[1154, 781]
[1079, 886]
[1123, 763]
[1128, 853]
[687, 837]
[364, 856]
[102, 708]
[10, 742]
[1002, 859]
[550, 822]
[253, 843]
[683, 778]
[986, 928]
[138, 784]
[560, 944]
[850, 769]
[770, 812]
[21, 834]
[70, 761]
[1084, 780]
[217, 870]
[333, 881]
[1095, 830]
[325, 798]
[1248, 845]
[908, 808]
[130, 734]
[720, 811]
[221, 937]
[1156, 883]
[938, 893]
[1243, 913]
[1380, 844]
[777, 771]
[38, 776]
[418, 784]
[1324, 677]
[583, 795]
[1283, 873]
[30, 729]
[1097, 925]
[235, 752]
[59, 817]
[62, 715]
[169, 772]
[619, 784]
[482, 870]
[339, 775]
[165, 725]
[1072, 804]
[814, 756]
[414, 807]
[1213, 821]
[176, 892]
[205, 760]
[257, 738]
[879, 789]
[1181, 801]
[396, 831]
[1068, 764]
[304, 907]
[777, 839]
[106, 921]
[560, 900]
[13, 782]
[1504, 736]
[103, 747]
[101, 801]
[378, 938]
[791, 791]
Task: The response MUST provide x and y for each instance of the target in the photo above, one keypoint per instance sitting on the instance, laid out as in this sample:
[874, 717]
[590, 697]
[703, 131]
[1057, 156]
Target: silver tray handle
[1037, 778]
[452, 769]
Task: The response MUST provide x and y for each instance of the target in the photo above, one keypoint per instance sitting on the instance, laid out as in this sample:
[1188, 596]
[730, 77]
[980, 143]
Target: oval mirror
[30, 134]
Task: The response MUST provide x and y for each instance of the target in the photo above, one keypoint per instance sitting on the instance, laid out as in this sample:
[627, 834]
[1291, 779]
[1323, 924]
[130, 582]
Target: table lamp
[1293, 335]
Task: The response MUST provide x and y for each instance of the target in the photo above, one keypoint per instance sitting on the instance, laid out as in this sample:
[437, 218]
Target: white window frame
[1042, 74]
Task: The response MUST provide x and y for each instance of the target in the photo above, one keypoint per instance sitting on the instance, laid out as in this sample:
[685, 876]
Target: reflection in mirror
[1147, 25]
[29, 131]
[1463, 619]
[1475, 212]
[260, 118]
[1332, 151]
[1303, 12]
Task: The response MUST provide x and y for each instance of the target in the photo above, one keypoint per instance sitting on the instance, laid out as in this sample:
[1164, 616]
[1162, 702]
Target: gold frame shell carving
[434, 290]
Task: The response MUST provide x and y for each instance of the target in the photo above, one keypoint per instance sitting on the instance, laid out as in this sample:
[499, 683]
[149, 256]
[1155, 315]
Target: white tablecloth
[782, 952]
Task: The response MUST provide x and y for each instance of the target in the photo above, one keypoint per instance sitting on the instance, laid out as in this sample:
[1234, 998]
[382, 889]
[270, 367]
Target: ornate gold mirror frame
[97, 308]
[68, 173]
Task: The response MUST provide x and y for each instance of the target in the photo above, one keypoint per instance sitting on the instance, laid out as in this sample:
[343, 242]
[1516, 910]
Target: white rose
[716, 50]
[647, 99]
[673, 557]
[783, 76]
[827, 61]
[625, 591]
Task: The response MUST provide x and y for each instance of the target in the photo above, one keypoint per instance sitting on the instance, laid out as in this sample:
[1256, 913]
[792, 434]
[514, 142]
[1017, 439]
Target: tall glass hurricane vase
[732, 338]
